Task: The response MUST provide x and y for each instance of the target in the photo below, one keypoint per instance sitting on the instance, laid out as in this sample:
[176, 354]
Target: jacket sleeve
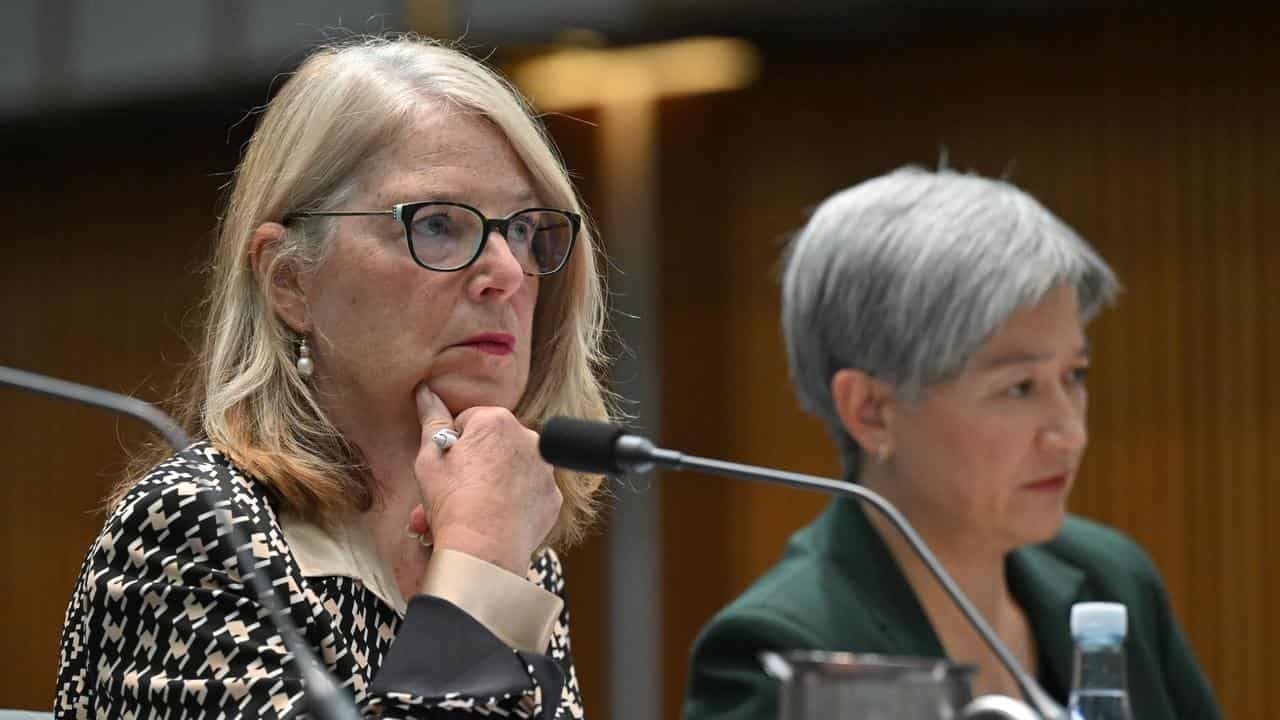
[469, 662]
[164, 625]
[727, 680]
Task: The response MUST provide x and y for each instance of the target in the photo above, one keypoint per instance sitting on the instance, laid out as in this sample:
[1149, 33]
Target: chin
[464, 394]
[1037, 529]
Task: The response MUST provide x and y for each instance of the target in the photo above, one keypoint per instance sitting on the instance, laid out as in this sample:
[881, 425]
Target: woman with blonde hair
[404, 288]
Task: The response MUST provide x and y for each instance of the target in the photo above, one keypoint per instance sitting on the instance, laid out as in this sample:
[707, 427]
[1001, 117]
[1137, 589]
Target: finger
[432, 412]
[466, 416]
[484, 415]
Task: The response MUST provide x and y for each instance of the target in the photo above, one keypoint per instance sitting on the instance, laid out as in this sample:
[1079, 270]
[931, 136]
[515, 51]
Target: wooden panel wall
[106, 224]
[1156, 138]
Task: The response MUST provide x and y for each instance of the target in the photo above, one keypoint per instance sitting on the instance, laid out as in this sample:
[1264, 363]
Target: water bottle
[1099, 690]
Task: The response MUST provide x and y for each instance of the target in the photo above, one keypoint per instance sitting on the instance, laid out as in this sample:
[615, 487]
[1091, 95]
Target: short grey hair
[906, 275]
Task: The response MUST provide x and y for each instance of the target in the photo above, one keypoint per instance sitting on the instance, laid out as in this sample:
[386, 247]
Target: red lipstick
[1049, 484]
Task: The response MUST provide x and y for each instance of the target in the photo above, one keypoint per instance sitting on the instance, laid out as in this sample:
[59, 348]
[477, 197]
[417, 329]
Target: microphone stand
[324, 699]
[75, 392]
[639, 455]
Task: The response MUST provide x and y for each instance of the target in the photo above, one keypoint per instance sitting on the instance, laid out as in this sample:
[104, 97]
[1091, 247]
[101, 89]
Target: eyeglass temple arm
[330, 213]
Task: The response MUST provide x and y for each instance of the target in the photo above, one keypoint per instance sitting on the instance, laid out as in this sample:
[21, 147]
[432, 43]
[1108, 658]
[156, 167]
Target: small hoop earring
[306, 366]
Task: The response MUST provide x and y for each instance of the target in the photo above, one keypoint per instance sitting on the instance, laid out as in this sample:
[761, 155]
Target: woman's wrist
[482, 547]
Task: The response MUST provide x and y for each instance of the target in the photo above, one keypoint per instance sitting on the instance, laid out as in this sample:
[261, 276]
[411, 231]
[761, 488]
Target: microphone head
[582, 445]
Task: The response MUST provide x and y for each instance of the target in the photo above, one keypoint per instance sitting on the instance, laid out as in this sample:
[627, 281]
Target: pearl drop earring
[306, 366]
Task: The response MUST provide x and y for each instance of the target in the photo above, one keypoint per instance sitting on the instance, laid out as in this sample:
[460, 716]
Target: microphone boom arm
[94, 397]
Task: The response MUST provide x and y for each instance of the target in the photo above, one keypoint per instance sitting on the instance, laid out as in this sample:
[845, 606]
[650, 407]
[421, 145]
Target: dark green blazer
[838, 588]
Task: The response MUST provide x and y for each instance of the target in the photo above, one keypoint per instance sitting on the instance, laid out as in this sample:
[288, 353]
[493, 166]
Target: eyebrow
[526, 197]
[1028, 358]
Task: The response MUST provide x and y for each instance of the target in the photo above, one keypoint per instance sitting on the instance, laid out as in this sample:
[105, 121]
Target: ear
[286, 291]
[866, 407]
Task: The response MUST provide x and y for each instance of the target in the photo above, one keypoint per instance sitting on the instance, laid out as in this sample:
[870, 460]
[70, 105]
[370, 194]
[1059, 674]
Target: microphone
[603, 449]
[324, 699]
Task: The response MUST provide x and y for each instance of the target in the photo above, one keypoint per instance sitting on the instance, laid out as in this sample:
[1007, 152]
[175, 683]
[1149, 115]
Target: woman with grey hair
[404, 287]
[936, 323]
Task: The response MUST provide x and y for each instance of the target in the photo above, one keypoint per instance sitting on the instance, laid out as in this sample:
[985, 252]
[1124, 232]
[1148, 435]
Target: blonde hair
[243, 392]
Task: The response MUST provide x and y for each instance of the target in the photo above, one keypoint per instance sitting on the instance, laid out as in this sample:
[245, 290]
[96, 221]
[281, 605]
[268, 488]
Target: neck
[977, 565]
[973, 559]
[977, 568]
[386, 522]
[389, 452]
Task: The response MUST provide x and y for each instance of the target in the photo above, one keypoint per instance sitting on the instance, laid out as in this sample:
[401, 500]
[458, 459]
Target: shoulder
[803, 601]
[194, 493]
[804, 597]
[824, 586]
[1109, 558]
[198, 469]
[1092, 544]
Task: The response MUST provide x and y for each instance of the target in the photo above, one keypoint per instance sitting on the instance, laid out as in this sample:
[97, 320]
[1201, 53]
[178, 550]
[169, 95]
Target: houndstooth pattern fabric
[162, 625]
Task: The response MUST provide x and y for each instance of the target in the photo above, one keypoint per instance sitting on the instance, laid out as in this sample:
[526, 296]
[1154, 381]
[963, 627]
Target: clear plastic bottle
[1099, 690]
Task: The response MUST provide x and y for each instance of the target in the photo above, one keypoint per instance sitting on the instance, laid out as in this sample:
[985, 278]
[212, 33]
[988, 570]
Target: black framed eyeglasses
[449, 236]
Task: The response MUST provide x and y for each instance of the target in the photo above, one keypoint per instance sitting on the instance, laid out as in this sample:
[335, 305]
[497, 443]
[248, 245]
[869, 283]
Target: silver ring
[444, 439]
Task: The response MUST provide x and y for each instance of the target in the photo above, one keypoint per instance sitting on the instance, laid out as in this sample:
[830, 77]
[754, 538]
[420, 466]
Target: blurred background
[701, 133]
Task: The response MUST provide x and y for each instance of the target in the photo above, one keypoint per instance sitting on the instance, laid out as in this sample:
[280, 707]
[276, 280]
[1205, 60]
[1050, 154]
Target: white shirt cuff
[518, 612]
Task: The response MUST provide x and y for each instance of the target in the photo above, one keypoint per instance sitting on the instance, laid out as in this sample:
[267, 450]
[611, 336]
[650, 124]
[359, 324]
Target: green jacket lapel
[845, 533]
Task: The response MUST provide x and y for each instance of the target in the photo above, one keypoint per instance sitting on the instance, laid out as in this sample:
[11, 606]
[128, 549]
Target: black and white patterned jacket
[160, 624]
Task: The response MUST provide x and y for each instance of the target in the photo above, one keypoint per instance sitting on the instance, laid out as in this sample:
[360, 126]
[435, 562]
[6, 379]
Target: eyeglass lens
[446, 237]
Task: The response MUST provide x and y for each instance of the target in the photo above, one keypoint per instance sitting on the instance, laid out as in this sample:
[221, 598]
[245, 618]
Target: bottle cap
[1099, 622]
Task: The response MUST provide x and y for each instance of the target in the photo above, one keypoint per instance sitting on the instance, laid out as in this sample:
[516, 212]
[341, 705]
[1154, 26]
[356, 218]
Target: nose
[497, 273]
[1065, 431]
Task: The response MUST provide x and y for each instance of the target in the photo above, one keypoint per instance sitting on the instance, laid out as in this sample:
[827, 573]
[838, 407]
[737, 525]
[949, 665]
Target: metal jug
[845, 686]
